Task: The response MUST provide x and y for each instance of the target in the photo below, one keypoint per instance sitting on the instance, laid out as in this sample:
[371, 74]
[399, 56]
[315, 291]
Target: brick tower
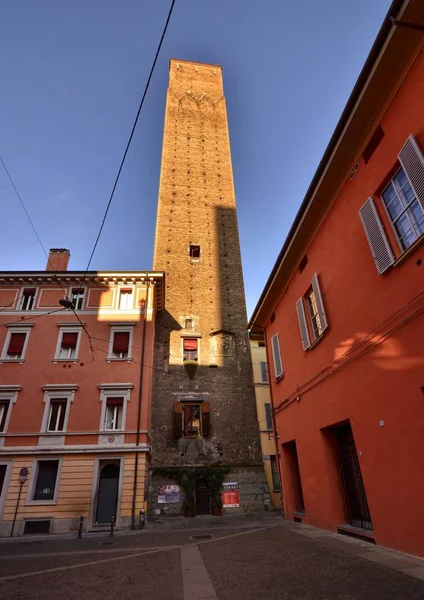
[203, 409]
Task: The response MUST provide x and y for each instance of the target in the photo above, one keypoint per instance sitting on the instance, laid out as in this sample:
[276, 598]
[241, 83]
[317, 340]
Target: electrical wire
[130, 139]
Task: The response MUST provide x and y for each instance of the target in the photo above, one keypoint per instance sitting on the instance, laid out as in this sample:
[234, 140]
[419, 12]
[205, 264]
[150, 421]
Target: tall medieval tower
[203, 408]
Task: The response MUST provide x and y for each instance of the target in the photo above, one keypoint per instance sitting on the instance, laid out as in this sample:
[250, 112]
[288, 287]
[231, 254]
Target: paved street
[273, 559]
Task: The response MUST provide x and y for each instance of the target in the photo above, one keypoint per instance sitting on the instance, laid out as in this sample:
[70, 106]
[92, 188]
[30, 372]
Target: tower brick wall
[197, 208]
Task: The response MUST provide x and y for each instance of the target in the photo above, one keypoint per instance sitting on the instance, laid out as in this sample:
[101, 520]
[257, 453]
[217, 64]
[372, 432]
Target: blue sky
[72, 78]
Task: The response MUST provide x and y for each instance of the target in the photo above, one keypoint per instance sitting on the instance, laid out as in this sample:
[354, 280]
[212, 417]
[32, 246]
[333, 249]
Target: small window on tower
[194, 252]
[188, 324]
[189, 349]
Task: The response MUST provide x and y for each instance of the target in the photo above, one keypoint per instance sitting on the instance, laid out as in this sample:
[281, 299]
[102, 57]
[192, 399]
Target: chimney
[58, 259]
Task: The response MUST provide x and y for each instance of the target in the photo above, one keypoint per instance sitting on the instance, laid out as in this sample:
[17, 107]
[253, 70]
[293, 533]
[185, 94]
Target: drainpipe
[140, 395]
[277, 446]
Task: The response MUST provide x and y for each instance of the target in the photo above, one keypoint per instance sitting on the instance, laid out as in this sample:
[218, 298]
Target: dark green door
[107, 498]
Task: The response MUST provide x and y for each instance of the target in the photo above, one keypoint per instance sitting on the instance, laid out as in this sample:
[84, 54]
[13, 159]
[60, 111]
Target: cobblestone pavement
[266, 561]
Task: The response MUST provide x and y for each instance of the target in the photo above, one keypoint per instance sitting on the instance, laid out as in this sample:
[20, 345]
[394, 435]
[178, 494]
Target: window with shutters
[190, 349]
[264, 371]
[404, 210]
[311, 315]
[15, 344]
[403, 200]
[45, 483]
[268, 416]
[120, 344]
[68, 342]
[126, 298]
[276, 485]
[191, 419]
[78, 298]
[27, 299]
[276, 354]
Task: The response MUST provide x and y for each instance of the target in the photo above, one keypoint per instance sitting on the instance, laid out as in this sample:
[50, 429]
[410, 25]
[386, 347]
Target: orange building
[74, 398]
[343, 310]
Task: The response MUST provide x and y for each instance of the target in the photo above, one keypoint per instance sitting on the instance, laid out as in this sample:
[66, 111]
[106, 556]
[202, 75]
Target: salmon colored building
[75, 396]
[343, 310]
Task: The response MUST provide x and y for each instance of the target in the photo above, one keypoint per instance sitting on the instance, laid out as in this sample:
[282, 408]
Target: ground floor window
[45, 480]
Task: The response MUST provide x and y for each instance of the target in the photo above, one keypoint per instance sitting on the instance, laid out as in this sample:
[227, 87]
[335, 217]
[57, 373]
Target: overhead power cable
[129, 139]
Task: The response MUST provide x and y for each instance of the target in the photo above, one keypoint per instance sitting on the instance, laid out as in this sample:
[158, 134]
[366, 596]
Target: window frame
[59, 392]
[114, 390]
[120, 328]
[33, 481]
[269, 426]
[273, 462]
[119, 409]
[190, 256]
[317, 330]
[279, 375]
[18, 329]
[264, 371]
[401, 249]
[22, 298]
[8, 393]
[4, 490]
[191, 404]
[124, 291]
[81, 296]
[197, 351]
[71, 328]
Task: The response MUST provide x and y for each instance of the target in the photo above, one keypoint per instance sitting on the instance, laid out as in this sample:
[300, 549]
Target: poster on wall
[167, 494]
[230, 495]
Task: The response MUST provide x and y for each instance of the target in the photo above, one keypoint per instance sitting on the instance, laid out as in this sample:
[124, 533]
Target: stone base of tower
[249, 490]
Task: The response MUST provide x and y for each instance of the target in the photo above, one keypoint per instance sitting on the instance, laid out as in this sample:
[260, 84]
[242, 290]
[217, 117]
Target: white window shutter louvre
[278, 365]
[320, 304]
[304, 334]
[412, 161]
[376, 236]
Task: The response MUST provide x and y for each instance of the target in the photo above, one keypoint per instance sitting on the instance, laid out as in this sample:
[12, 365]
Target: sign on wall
[230, 495]
[168, 494]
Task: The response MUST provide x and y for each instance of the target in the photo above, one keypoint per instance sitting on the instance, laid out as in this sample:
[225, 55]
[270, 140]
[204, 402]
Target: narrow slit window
[194, 252]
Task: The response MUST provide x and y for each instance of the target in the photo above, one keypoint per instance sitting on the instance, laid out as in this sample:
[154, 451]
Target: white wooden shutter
[412, 161]
[304, 334]
[278, 365]
[320, 304]
[379, 244]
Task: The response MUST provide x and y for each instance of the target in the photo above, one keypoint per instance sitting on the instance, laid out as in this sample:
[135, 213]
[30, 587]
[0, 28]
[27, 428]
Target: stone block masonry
[205, 298]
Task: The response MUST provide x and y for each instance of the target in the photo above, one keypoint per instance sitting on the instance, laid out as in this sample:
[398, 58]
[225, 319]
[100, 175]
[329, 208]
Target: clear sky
[72, 75]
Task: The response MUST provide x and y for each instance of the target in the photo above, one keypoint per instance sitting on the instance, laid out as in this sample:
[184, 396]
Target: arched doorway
[107, 496]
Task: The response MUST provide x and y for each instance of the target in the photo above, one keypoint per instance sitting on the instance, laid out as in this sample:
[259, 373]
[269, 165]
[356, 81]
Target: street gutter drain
[206, 536]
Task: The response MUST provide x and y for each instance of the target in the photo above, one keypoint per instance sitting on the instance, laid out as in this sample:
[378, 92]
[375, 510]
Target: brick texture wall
[197, 207]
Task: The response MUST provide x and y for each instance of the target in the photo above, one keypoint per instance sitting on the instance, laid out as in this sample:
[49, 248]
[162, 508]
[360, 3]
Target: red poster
[230, 495]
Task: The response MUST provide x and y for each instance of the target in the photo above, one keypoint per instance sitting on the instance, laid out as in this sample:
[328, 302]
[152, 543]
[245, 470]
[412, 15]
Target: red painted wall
[383, 383]
[38, 370]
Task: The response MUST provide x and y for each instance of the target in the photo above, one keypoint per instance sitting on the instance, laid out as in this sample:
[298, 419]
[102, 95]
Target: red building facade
[75, 396]
[343, 311]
